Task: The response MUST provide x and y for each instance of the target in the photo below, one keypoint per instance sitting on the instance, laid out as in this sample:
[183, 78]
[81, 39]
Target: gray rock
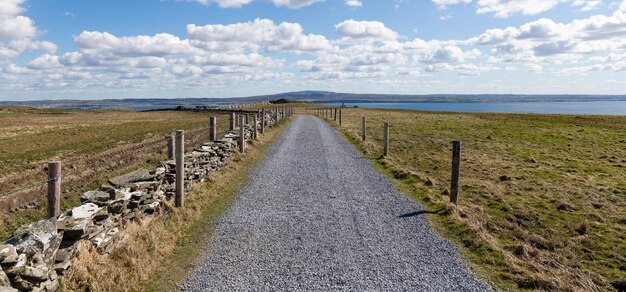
[67, 251]
[8, 255]
[99, 198]
[35, 238]
[8, 289]
[30, 273]
[131, 177]
[144, 185]
[50, 252]
[106, 241]
[102, 214]
[117, 206]
[60, 268]
[4, 279]
[75, 224]
[24, 284]
[21, 262]
[50, 285]
[84, 211]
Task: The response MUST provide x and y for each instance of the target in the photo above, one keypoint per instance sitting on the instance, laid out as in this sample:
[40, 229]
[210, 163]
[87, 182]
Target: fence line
[456, 147]
[90, 163]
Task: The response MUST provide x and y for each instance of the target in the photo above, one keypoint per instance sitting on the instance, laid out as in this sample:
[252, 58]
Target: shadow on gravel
[417, 213]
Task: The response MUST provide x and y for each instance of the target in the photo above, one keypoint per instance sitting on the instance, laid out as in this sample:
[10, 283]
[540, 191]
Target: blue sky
[221, 48]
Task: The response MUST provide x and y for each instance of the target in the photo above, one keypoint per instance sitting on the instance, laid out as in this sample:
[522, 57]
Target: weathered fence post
[255, 126]
[335, 116]
[364, 131]
[263, 122]
[170, 147]
[213, 129]
[180, 168]
[54, 189]
[242, 136]
[386, 139]
[247, 119]
[232, 121]
[340, 117]
[456, 171]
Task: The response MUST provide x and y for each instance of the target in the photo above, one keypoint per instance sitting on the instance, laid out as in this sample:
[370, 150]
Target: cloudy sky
[221, 48]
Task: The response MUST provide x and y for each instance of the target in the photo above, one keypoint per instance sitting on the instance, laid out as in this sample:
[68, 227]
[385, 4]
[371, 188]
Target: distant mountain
[307, 96]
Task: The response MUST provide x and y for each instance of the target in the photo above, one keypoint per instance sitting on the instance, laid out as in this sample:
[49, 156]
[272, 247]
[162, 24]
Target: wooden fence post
[170, 147]
[54, 189]
[386, 139]
[340, 117]
[232, 121]
[180, 168]
[213, 129]
[335, 117]
[263, 122]
[247, 119]
[242, 136]
[364, 129]
[255, 126]
[456, 171]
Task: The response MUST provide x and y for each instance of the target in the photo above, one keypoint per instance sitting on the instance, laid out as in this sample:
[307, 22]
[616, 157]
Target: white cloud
[18, 32]
[354, 3]
[462, 69]
[506, 8]
[445, 54]
[445, 3]
[260, 33]
[544, 40]
[44, 62]
[225, 3]
[587, 5]
[622, 7]
[104, 43]
[293, 4]
[227, 55]
[365, 30]
[534, 67]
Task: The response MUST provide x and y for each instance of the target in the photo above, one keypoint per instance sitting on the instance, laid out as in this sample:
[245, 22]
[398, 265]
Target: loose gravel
[316, 216]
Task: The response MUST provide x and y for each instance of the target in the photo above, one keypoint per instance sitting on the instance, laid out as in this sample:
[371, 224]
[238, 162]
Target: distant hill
[308, 96]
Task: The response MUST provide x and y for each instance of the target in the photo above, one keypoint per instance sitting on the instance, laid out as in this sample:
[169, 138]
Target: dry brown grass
[543, 198]
[157, 254]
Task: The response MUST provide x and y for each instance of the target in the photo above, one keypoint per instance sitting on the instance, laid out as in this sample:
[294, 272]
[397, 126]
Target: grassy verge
[543, 197]
[158, 254]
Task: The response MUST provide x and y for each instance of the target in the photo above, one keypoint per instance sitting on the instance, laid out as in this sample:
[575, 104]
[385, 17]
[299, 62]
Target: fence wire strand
[90, 166]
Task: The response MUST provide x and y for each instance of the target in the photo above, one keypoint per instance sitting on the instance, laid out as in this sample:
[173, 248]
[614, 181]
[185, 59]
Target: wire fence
[90, 162]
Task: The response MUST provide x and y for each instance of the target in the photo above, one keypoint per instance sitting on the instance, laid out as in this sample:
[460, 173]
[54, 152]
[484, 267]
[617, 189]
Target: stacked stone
[37, 254]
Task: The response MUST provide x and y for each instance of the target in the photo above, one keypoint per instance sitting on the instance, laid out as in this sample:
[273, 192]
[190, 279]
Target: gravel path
[316, 216]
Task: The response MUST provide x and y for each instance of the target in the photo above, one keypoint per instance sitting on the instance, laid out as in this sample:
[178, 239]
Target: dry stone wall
[37, 254]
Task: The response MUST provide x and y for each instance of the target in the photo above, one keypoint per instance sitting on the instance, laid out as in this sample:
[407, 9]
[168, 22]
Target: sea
[578, 107]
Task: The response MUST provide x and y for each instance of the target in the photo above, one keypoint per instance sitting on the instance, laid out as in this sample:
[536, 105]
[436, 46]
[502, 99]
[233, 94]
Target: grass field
[94, 145]
[543, 197]
[30, 137]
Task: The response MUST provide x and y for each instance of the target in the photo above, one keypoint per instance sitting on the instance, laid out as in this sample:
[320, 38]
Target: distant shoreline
[317, 97]
[615, 107]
